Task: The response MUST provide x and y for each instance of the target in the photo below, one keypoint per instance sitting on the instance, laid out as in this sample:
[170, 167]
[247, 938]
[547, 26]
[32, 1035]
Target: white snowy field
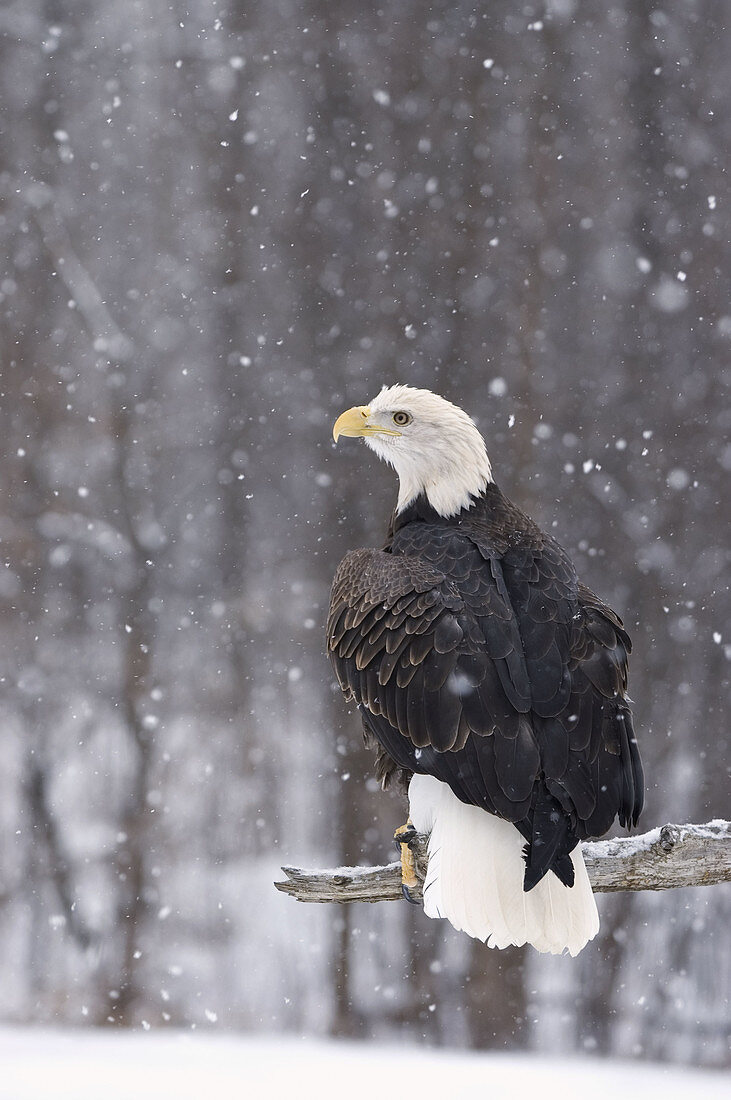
[39, 1064]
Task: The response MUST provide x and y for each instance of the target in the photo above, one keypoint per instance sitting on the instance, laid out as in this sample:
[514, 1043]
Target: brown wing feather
[444, 660]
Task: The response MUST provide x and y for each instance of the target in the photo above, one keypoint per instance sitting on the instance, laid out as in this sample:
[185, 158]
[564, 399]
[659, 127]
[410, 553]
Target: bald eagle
[491, 681]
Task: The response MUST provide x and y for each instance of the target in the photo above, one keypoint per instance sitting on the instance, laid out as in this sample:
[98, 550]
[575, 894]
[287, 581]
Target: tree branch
[664, 858]
[58, 864]
[105, 333]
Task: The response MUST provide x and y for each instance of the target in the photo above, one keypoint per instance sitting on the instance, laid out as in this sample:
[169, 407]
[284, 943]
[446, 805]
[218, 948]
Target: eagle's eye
[402, 419]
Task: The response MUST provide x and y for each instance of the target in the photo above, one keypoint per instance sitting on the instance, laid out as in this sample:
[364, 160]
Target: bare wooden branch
[664, 858]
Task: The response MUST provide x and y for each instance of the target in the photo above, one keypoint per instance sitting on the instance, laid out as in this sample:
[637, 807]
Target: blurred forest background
[222, 224]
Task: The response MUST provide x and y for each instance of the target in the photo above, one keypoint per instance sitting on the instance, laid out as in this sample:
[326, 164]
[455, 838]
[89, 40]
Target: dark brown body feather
[477, 656]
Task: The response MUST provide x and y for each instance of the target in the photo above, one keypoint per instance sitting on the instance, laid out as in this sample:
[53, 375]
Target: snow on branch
[664, 858]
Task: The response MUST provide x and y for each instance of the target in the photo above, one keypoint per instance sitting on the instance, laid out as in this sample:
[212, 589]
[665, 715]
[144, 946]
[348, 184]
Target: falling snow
[221, 228]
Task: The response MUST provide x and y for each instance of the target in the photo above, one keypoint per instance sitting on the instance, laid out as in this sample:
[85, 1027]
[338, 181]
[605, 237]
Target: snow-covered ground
[88, 1065]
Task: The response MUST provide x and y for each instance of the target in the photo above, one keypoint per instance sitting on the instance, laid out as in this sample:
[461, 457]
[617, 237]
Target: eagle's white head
[434, 447]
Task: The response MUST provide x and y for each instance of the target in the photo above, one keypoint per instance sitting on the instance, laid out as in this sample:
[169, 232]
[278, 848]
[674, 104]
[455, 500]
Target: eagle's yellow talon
[403, 836]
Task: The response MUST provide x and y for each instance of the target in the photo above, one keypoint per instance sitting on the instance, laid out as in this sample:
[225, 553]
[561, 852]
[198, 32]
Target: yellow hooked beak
[355, 423]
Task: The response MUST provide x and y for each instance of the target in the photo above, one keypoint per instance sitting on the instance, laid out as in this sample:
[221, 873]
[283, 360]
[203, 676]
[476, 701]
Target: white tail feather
[475, 878]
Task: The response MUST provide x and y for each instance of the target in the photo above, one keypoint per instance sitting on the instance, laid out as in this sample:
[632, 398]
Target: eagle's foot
[404, 836]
